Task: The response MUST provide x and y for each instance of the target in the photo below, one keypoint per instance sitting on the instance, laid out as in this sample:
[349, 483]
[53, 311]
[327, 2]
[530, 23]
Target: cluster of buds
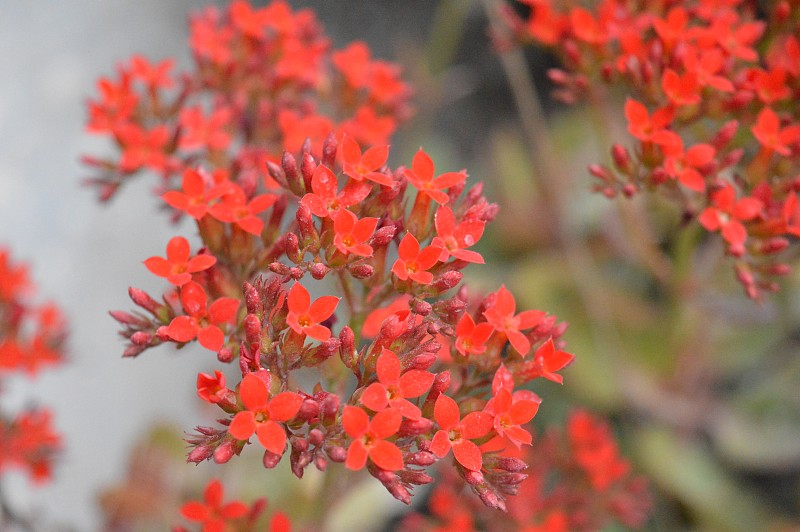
[577, 481]
[263, 81]
[418, 367]
[31, 338]
[712, 108]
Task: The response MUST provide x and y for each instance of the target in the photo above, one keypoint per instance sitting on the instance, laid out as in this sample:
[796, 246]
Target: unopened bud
[270, 459]
[336, 453]
[425, 360]
[599, 172]
[383, 236]
[316, 437]
[224, 452]
[421, 307]
[293, 179]
[622, 159]
[142, 299]
[447, 281]
[421, 458]
[347, 346]
[329, 150]
[306, 222]
[780, 269]
[251, 298]
[140, 338]
[774, 245]
[361, 271]
[199, 454]
[276, 173]
[124, 318]
[473, 478]
[309, 409]
[320, 462]
[293, 248]
[415, 427]
[319, 271]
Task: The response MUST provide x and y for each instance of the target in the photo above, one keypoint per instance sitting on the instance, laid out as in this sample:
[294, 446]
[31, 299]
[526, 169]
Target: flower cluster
[577, 481]
[411, 373]
[31, 338]
[264, 80]
[712, 91]
[214, 515]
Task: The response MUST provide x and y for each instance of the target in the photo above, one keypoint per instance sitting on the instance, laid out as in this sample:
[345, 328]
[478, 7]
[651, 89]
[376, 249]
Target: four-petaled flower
[455, 238]
[769, 133]
[369, 438]
[178, 267]
[547, 361]
[414, 262]
[212, 513]
[511, 410]
[470, 338]
[421, 176]
[360, 167]
[195, 198]
[324, 198]
[235, 209]
[262, 415]
[727, 214]
[501, 316]
[456, 433]
[305, 317]
[393, 389]
[202, 320]
[351, 234]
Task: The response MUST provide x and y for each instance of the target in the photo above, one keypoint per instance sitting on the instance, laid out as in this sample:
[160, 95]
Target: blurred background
[702, 385]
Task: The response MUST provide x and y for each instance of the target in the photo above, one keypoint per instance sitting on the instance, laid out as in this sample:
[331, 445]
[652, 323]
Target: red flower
[262, 415]
[456, 433]
[199, 132]
[470, 338]
[369, 438]
[501, 317]
[645, 127]
[393, 389]
[727, 215]
[681, 89]
[454, 238]
[141, 147]
[211, 388]
[202, 321]
[421, 176]
[305, 317]
[178, 267]
[769, 133]
[323, 197]
[547, 361]
[351, 234]
[195, 197]
[414, 262]
[686, 166]
[212, 513]
[511, 410]
[155, 76]
[235, 209]
[360, 167]
[374, 320]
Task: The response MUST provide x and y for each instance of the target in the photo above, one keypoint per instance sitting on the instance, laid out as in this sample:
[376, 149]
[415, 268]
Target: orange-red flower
[414, 262]
[305, 317]
[502, 317]
[351, 234]
[212, 513]
[202, 321]
[369, 438]
[360, 167]
[394, 387]
[455, 433]
[421, 176]
[178, 267]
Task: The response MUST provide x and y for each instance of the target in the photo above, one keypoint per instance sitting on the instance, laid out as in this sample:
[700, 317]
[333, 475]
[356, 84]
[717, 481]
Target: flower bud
[421, 307]
[142, 299]
[447, 281]
[319, 271]
[415, 427]
[293, 178]
[336, 453]
[320, 462]
[224, 452]
[621, 157]
[293, 248]
[361, 271]
[199, 454]
[383, 236]
[329, 150]
[421, 458]
[141, 338]
[347, 346]
[276, 173]
[270, 459]
[251, 298]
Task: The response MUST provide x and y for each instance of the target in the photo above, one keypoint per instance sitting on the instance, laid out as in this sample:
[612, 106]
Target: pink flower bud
[316, 437]
[251, 298]
[421, 458]
[307, 167]
[270, 459]
[383, 236]
[361, 271]
[447, 281]
[224, 452]
[293, 248]
[142, 299]
[329, 150]
[336, 453]
[319, 271]
[140, 338]
[199, 454]
[421, 307]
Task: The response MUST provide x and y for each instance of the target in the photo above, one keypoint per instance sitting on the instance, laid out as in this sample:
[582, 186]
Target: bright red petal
[299, 299]
[468, 455]
[385, 423]
[178, 250]
[272, 436]
[446, 413]
[159, 266]
[285, 406]
[223, 309]
[440, 445]
[375, 397]
[243, 425]
[182, 329]
[386, 455]
[476, 425]
[422, 166]
[375, 157]
[253, 392]
[415, 382]
[200, 263]
[211, 337]
[195, 511]
[355, 421]
[388, 367]
[322, 309]
[356, 456]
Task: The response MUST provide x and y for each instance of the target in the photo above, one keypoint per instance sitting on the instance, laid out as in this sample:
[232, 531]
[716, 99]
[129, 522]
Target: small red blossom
[470, 338]
[211, 388]
[360, 167]
[178, 268]
[200, 132]
[455, 433]
[687, 165]
[501, 316]
[141, 147]
[393, 389]
[235, 209]
[547, 361]
[510, 411]
[455, 238]
[195, 198]
[351, 234]
[727, 214]
[324, 198]
[305, 317]
[646, 127]
[262, 415]
[421, 176]
[414, 262]
[769, 133]
[202, 321]
[212, 513]
[374, 320]
[369, 438]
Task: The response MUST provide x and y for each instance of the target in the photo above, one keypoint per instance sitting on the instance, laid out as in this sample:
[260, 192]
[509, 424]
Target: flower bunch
[577, 481]
[31, 338]
[711, 109]
[414, 372]
[215, 515]
[264, 80]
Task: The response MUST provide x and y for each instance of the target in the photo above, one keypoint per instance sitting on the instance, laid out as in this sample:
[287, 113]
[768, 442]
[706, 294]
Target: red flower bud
[319, 271]
[361, 271]
[329, 150]
[270, 459]
[224, 452]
